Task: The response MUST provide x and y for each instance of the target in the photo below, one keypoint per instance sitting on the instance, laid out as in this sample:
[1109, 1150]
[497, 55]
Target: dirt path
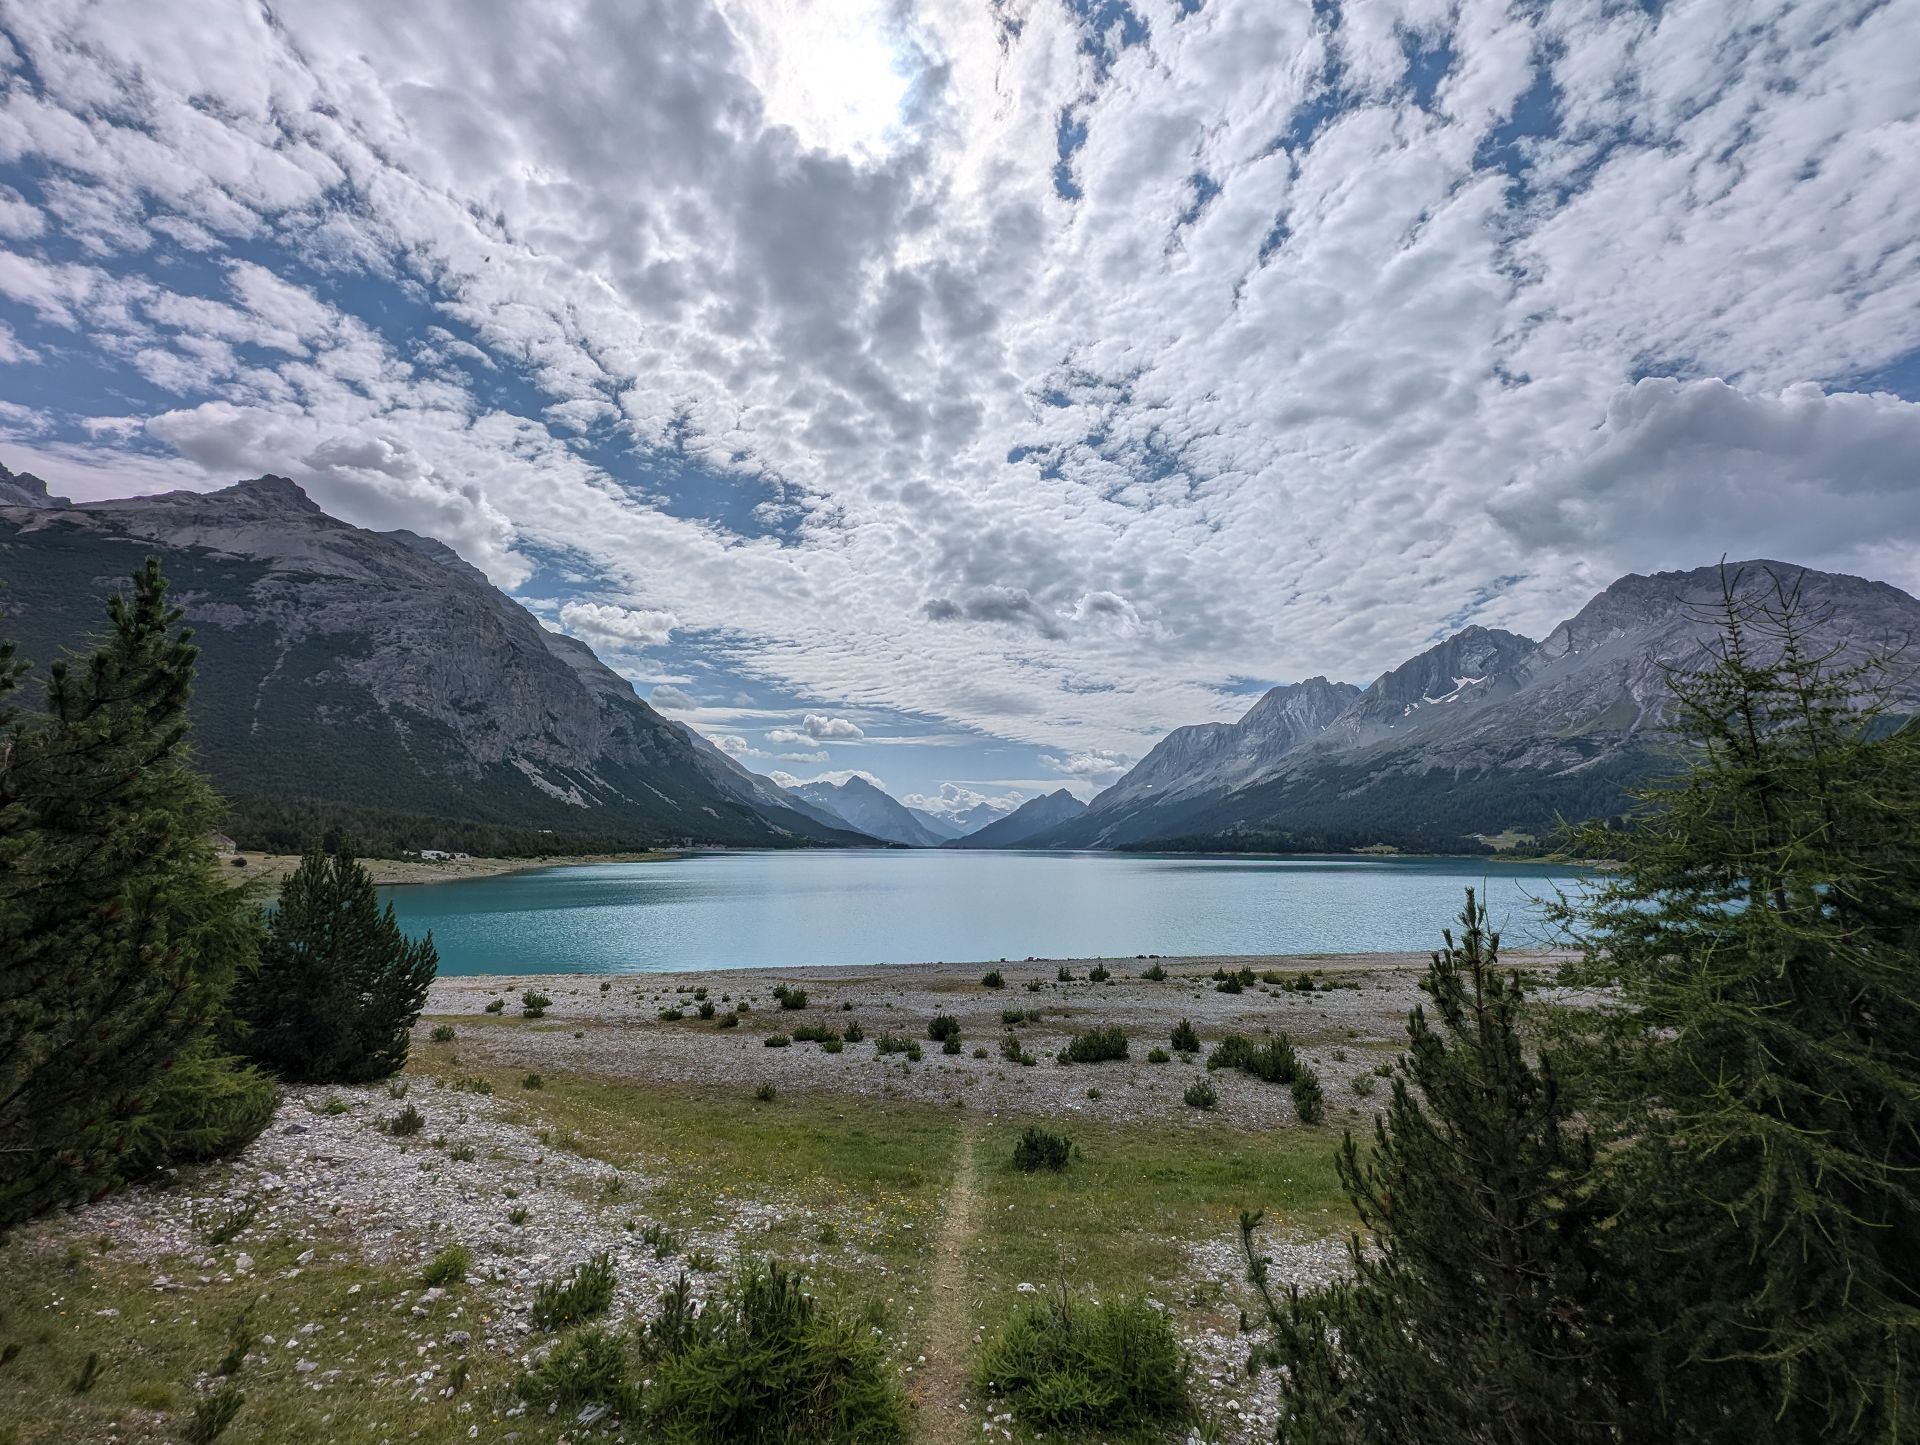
[941, 1389]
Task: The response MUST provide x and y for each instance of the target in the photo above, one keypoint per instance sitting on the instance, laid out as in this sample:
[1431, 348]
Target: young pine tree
[1468, 1314]
[119, 942]
[339, 985]
[1757, 1089]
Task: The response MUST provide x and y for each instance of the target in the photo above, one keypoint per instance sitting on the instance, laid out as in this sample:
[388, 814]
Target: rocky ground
[534, 1180]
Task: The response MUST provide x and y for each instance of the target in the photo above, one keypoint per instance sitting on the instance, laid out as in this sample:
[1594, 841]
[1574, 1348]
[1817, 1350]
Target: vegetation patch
[1041, 1149]
[1095, 1046]
[1082, 1367]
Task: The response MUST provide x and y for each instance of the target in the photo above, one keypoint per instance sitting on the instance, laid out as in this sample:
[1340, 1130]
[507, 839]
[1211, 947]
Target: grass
[1119, 1218]
[157, 1354]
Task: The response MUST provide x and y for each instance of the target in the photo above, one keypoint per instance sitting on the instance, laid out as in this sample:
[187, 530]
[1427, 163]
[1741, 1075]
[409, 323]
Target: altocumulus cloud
[1030, 370]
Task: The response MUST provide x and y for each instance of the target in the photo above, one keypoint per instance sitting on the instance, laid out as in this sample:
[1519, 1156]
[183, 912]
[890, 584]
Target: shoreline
[943, 973]
[405, 872]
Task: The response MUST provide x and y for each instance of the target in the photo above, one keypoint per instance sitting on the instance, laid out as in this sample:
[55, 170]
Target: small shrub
[662, 1241]
[534, 1005]
[1111, 1367]
[1308, 1100]
[1040, 1149]
[233, 1221]
[701, 1262]
[854, 1033]
[1010, 1048]
[950, 1046]
[1063, 974]
[980, 1052]
[211, 1414]
[606, 986]
[442, 1034]
[699, 995]
[671, 1015]
[1098, 974]
[333, 1104]
[585, 1369]
[1231, 985]
[1033, 985]
[743, 1007]
[765, 1360]
[449, 1266]
[707, 1009]
[1158, 1055]
[517, 1216]
[888, 1044]
[729, 1021]
[776, 1041]
[1201, 1094]
[1095, 1046]
[495, 1006]
[833, 1044]
[533, 1081]
[1155, 974]
[943, 1027]
[993, 979]
[1363, 1084]
[765, 1093]
[408, 1121]
[814, 1034]
[913, 1051]
[461, 1153]
[791, 998]
[582, 1294]
[397, 1088]
[1185, 1040]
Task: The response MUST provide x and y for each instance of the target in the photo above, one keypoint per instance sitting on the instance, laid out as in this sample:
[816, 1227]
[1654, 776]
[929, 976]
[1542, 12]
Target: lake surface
[792, 909]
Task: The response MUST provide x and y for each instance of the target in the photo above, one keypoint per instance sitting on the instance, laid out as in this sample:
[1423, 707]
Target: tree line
[148, 1010]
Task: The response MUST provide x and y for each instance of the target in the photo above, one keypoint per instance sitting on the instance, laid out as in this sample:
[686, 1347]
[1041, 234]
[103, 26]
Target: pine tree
[1469, 1313]
[1758, 1088]
[339, 986]
[119, 941]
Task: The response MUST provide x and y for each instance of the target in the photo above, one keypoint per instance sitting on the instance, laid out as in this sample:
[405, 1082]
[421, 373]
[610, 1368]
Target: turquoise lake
[730, 910]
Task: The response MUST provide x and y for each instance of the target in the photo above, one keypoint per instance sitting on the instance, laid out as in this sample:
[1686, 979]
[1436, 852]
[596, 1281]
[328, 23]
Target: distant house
[222, 843]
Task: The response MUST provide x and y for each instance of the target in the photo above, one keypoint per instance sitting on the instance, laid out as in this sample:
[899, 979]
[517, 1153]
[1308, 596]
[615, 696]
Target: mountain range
[374, 682]
[1484, 734]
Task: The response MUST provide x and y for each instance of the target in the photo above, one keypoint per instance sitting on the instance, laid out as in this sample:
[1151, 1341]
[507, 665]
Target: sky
[966, 392]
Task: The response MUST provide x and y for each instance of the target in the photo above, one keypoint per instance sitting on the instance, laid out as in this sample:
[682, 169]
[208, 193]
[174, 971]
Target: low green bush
[1116, 1366]
[587, 1368]
[1095, 1046]
[943, 1027]
[766, 1093]
[1040, 1149]
[951, 1045]
[814, 1034]
[1185, 1040]
[442, 1034]
[672, 1015]
[888, 1044]
[854, 1033]
[1063, 974]
[790, 998]
[766, 1362]
[449, 1266]
[831, 1045]
[728, 1021]
[1158, 1055]
[706, 1008]
[495, 1006]
[993, 979]
[1201, 1094]
[1098, 974]
[532, 1081]
[776, 1041]
[1154, 973]
[408, 1121]
[534, 1005]
[583, 1293]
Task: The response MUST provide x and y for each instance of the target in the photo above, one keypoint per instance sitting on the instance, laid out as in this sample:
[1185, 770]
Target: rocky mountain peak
[24, 489]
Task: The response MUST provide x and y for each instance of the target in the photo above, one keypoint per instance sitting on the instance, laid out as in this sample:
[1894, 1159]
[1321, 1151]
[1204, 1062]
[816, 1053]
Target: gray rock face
[1483, 732]
[24, 489]
[867, 809]
[379, 670]
[1026, 822]
[1212, 756]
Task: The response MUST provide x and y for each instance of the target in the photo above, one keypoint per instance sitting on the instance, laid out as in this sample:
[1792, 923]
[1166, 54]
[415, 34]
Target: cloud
[958, 798]
[801, 343]
[830, 729]
[668, 698]
[836, 777]
[733, 745]
[616, 626]
[1096, 765]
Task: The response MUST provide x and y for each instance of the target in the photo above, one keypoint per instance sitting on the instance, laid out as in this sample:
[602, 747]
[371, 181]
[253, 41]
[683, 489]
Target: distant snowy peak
[870, 810]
